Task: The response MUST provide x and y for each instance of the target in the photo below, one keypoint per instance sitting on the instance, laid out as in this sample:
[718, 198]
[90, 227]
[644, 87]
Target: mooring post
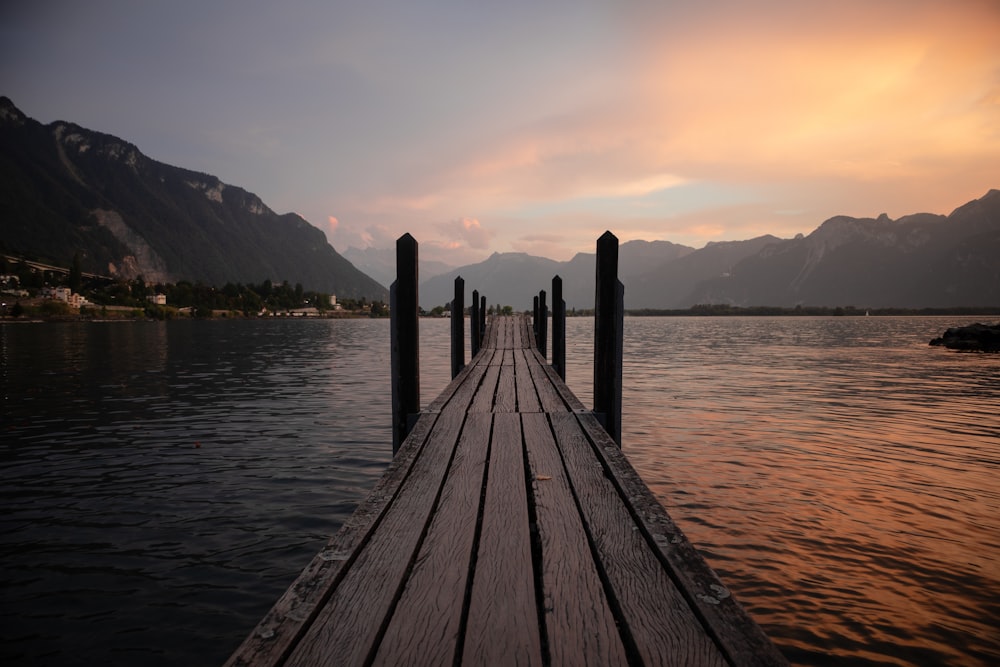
[482, 319]
[609, 319]
[457, 328]
[404, 340]
[543, 324]
[558, 328]
[474, 322]
[534, 320]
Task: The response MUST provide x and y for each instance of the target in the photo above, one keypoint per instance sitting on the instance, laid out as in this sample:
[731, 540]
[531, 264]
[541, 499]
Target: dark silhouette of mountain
[66, 191]
[515, 278]
[917, 261]
[670, 284]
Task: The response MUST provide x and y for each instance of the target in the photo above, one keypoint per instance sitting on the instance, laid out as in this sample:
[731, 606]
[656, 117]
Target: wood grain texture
[738, 635]
[656, 615]
[580, 625]
[438, 567]
[486, 393]
[506, 397]
[287, 621]
[424, 629]
[502, 627]
[527, 397]
[345, 631]
[548, 396]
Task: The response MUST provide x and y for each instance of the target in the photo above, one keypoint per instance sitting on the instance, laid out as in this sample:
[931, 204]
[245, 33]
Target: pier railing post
[482, 319]
[543, 324]
[534, 320]
[608, 335]
[404, 340]
[558, 328]
[458, 328]
[474, 322]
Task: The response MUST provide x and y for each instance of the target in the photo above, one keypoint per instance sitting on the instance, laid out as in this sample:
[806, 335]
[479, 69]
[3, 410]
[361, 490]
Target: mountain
[380, 264]
[66, 190]
[917, 261]
[515, 278]
[670, 284]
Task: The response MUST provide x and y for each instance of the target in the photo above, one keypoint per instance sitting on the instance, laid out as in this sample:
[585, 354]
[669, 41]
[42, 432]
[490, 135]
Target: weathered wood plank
[741, 639]
[425, 626]
[491, 333]
[506, 396]
[346, 629]
[486, 393]
[572, 402]
[579, 623]
[501, 629]
[527, 397]
[502, 326]
[439, 565]
[548, 396]
[657, 621]
[280, 629]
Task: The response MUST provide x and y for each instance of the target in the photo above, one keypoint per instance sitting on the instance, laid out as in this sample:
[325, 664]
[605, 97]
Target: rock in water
[972, 338]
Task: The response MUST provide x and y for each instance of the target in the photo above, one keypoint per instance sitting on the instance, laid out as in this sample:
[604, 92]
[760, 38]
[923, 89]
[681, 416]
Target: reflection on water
[163, 483]
[840, 475]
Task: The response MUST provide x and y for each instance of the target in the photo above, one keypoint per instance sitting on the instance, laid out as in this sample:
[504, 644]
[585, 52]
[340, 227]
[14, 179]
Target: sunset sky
[534, 126]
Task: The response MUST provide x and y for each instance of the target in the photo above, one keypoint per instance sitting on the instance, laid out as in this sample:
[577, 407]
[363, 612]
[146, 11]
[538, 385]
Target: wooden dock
[508, 529]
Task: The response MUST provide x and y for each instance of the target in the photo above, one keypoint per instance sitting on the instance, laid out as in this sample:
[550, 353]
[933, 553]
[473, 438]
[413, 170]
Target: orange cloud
[467, 231]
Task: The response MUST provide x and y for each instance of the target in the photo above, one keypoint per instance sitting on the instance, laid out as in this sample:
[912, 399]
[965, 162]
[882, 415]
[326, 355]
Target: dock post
[474, 322]
[457, 328]
[482, 319]
[558, 328]
[608, 334]
[543, 325]
[534, 320]
[404, 340]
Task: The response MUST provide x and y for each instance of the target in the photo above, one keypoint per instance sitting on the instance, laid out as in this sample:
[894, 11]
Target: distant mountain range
[66, 190]
[917, 261]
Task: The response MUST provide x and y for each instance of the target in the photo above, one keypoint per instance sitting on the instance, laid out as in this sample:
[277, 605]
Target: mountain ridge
[920, 260]
[70, 190]
[67, 191]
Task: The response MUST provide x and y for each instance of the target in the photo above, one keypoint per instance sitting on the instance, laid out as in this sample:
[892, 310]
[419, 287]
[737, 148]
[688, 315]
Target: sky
[534, 126]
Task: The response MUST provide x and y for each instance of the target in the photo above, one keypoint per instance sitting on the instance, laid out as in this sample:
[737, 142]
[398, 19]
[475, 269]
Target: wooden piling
[534, 321]
[482, 319]
[457, 328]
[404, 340]
[558, 328]
[543, 324]
[474, 323]
[608, 334]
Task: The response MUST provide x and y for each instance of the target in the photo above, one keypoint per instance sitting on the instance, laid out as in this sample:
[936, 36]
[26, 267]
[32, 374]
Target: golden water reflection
[841, 476]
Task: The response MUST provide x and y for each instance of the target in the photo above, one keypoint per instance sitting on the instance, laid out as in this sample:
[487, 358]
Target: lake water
[163, 483]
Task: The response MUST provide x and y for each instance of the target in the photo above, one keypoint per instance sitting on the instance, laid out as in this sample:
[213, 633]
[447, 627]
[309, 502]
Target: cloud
[467, 231]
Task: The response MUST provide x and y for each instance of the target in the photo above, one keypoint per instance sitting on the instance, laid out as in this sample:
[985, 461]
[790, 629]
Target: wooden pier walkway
[509, 529]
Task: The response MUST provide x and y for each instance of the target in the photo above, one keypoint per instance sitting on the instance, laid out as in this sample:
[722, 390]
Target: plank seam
[408, 572]
[632, 653]
[463, 624]
[765, 654]
[536, 550]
